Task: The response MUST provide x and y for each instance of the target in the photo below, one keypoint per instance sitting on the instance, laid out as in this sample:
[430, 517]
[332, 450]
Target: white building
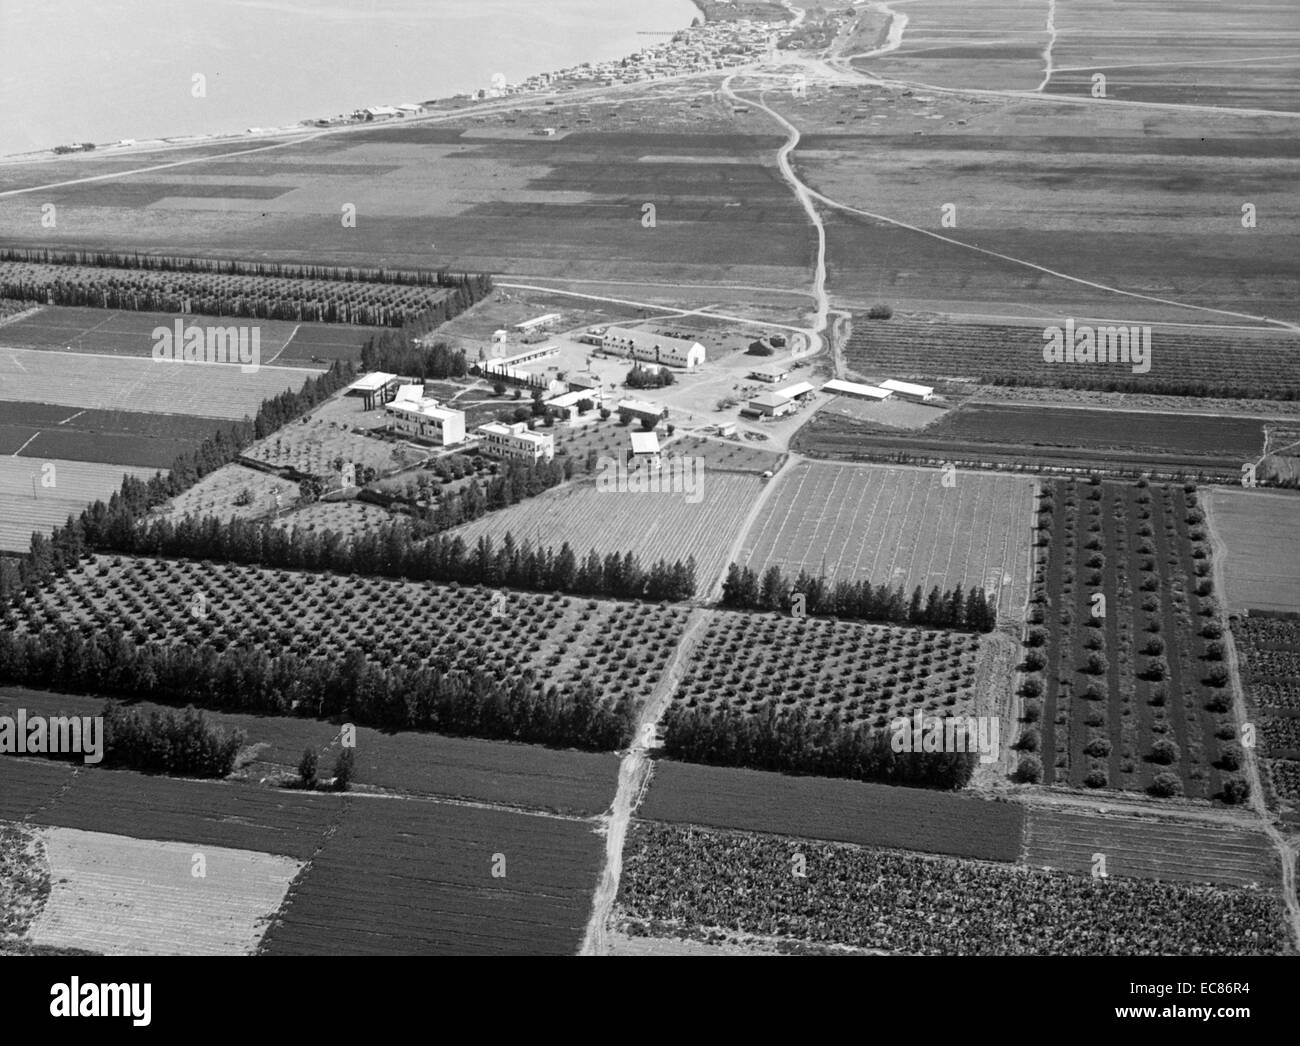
[852, 388]
[798, 391]
[907, 390]
[771, 404]
[641, 410]
[413, 414]
[653, 348]
[538, 321]
[771, 374]
[516, 442]
[566, 404]
[645, 449]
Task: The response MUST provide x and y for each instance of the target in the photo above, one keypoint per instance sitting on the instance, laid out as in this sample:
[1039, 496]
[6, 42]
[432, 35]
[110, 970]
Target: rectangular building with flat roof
[906, 389]
[853, 388]
[425, 419]
[515, 441]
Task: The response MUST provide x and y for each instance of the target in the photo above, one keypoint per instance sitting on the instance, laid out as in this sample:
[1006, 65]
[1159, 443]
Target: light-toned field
[650, 526]
[899, 526]
[206, 390]
[342, 517]
[119, 896]
[27, 505]
[1261, 533]
[313, 445]
[1142, 847]
[215, 495]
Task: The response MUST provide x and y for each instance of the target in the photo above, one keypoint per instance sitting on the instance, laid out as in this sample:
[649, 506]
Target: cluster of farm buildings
[782, 401]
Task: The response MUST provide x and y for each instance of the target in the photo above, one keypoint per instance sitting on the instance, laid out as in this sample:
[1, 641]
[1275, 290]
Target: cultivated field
[208, 390]
[827, 808]
[422, 878]
[861, 674]
[412, 764]
[120, 896]
[1134, 686]
[1069, 840]
[678, 880]
[1268, 650]
[899, 526]
[621, 648]
[45, 431]
[111, 332]
[219, 494]
[1024, 437]
[650, 526]
[1260, 536]
[27, 504]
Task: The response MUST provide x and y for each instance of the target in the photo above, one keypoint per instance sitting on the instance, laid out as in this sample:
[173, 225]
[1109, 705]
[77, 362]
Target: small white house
[645, 449]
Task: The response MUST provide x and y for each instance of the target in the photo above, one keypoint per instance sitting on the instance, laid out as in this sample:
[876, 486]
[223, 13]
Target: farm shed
[800, 391]
[371, 386]
[645, 449]
[566, 405]
[907, 390]
[771, 404]
[853, 388]
[769, 374]
[544, 320]
[640, 410]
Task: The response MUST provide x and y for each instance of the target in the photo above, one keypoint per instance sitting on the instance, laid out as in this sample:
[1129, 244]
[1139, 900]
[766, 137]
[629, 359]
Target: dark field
[42, 430]
[526, 776]
[110, 332]
[1231, 440]
[1048, 437]
[416, 878]
[841, 811]
[120, 802]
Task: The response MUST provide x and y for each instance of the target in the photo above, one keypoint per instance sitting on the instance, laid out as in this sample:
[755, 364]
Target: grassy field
[422, 878]
[208, 390]
[120, 896]
[27, 504]
[899, 527]
[311, 446]
[842, 811]
[1261, 538]
[218, 493]
[116, 437]
[1068, 840]
[417, 764]
[651, 526]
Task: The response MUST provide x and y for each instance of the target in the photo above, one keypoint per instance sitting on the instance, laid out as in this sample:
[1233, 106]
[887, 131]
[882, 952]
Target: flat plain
[38, 494]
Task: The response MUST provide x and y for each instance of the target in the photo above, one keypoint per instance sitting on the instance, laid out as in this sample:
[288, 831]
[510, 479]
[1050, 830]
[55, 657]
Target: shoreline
[690, 49]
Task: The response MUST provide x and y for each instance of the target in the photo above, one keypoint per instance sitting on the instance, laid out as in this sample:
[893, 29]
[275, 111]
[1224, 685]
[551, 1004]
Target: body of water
[103, 70]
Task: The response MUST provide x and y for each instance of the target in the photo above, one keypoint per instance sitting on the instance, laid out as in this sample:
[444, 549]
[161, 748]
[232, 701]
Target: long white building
[653, 348]
[515, 441]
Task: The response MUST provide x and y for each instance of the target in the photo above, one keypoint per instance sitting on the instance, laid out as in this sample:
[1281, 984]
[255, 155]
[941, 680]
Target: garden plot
[313, 446]
[234, 492]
